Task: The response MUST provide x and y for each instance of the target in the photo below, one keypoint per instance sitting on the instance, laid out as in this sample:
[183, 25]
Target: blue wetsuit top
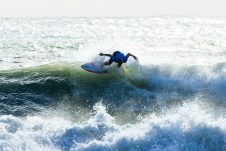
[119, 56]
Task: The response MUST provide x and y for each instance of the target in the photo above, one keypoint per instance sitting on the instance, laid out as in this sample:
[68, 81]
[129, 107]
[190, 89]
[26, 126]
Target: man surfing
[117, 57]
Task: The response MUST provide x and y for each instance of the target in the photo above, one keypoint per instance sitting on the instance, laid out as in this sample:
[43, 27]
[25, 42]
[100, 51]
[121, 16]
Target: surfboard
[94, 67]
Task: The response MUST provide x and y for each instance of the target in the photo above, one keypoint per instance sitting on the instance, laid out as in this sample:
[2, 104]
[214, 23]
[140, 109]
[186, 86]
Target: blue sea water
[172, 99]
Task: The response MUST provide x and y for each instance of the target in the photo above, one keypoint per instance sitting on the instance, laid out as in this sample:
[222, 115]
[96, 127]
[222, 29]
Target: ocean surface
[172, 99]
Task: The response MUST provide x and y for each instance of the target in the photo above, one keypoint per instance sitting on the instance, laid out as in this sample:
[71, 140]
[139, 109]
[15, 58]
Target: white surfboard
[94, 67]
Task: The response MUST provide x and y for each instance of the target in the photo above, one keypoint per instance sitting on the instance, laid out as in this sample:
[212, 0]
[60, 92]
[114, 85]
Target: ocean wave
[172, 99]
[178, 128]
[139, 87]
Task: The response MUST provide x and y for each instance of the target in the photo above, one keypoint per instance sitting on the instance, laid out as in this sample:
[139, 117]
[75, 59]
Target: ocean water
[172, 99]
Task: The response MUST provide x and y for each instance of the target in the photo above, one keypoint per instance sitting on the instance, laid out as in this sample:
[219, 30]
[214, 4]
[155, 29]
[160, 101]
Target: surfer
[117, 57]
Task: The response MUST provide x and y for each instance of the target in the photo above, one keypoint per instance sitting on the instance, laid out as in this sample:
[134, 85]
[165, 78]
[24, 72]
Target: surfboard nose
[83, 66]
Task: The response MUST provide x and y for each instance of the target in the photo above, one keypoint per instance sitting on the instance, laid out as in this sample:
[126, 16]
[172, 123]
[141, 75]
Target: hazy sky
[113, 8]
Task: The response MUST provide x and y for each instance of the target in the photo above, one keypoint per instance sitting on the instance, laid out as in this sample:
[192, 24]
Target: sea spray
[172, 99]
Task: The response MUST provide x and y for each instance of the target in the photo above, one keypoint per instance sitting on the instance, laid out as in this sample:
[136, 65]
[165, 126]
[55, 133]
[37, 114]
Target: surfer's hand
[135, 57]
[101, 54]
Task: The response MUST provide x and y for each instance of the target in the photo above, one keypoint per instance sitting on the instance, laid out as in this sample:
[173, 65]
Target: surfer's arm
[135, 57]
[102, 54]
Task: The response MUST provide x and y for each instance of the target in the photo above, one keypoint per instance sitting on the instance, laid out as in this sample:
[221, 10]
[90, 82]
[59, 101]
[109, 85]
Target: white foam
[177, 128]
[177, 56]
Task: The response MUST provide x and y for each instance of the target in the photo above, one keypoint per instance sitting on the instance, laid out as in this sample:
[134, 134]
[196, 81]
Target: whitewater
[172, 99]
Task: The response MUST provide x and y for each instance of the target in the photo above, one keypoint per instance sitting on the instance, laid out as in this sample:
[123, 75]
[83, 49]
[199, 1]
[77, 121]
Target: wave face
[172, 99]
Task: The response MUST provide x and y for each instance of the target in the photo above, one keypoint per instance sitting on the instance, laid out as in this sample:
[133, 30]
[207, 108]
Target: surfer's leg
[109, 62]
[120, 63]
